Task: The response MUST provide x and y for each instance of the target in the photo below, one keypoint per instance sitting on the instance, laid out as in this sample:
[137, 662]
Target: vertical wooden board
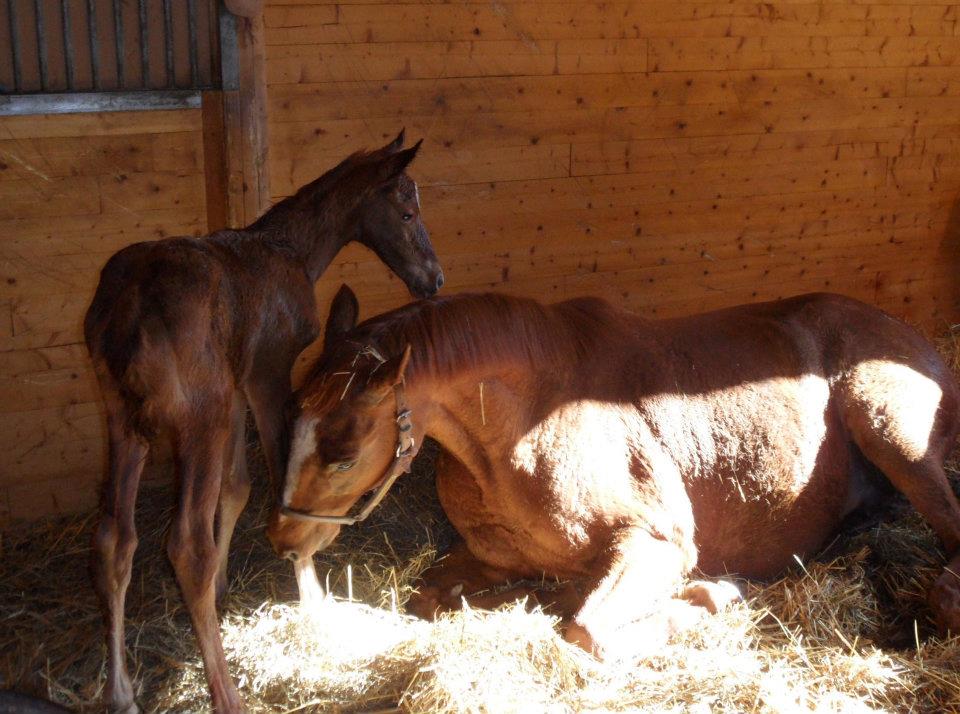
[181, 44]
[24, 26]
[53, 45]
[6, 53]
[158, 75]
[106, 46]
[215, 161]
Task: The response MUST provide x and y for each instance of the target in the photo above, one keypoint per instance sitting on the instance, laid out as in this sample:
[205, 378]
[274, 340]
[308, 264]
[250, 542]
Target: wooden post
[235, 123]
[215, 165]
[253, 116]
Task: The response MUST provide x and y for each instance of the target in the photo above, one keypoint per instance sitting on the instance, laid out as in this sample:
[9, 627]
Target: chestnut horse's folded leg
[457, 573]
[200, 447]
[631, 606]
[460, 576]
[114, 544]
[234, 490]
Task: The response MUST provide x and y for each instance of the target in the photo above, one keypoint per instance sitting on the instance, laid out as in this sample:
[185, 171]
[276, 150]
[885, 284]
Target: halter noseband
[399, 466]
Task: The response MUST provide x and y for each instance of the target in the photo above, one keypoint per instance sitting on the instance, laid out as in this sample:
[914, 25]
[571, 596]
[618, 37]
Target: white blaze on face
[416, 194]
[304, 445]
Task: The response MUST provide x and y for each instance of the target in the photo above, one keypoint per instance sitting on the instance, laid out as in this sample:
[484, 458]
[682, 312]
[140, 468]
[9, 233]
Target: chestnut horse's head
[389, 221]
[350, 437]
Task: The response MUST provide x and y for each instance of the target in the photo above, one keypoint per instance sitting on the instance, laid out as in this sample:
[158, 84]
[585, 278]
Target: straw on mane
[482, 329]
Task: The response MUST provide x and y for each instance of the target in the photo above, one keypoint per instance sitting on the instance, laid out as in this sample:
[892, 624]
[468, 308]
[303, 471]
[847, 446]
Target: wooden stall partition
[74, 188]
[673, 156]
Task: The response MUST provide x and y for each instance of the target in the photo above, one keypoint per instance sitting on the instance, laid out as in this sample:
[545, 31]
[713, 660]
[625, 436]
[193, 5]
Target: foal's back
[173, 315]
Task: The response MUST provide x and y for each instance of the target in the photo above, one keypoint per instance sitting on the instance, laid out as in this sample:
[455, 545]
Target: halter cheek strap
[400, 465]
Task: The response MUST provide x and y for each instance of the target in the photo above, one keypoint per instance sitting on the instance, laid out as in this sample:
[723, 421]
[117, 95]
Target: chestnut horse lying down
[581, 441]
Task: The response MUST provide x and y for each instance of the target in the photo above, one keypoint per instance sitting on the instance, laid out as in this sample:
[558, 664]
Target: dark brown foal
[186, 333]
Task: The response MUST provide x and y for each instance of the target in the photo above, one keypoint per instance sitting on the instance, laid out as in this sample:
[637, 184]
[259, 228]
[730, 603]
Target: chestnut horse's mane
[452, 334]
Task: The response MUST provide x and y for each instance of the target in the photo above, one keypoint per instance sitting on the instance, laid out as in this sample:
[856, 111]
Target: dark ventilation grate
[52, 46]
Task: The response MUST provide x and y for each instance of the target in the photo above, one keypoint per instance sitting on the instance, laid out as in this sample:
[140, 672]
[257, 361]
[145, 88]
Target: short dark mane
[309, 192]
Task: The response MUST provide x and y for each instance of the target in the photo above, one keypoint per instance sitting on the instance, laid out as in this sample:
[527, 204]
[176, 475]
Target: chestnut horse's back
[893, 389]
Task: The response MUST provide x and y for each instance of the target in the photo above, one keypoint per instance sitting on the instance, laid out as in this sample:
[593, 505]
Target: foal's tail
[112, 331]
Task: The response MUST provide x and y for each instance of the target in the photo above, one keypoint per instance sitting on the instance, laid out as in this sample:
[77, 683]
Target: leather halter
[399, 466]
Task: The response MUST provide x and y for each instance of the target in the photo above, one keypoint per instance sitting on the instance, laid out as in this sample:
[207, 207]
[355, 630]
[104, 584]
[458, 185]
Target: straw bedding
[847, 632]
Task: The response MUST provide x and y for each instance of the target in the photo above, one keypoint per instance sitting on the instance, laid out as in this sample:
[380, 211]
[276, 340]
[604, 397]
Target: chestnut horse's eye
[407, 216]
[344, 465]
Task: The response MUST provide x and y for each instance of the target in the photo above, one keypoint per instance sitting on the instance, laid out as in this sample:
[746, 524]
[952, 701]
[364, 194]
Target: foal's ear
[397, 144]
[387, 375]
[342, 318]
[396, 164]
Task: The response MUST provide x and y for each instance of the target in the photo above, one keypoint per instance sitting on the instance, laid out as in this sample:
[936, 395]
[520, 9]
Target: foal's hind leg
[234, 490]
[906, 424]
[114, 544]
[200, 447]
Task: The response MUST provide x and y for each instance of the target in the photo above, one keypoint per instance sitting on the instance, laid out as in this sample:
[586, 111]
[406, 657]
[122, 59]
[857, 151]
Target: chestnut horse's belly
[783, 482]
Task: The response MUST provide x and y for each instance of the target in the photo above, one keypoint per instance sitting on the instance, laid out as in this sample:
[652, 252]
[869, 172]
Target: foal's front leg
[633, 610]
[234, 489]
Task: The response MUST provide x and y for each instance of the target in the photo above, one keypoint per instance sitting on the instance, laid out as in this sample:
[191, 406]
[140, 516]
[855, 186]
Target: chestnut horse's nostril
[439, 280]
[291, 555]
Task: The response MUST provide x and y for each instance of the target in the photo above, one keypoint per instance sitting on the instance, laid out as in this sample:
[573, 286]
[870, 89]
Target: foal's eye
[407, 216]
[344, 465]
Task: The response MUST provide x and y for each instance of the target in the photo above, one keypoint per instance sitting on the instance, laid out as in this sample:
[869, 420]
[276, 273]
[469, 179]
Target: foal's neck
[309, 227]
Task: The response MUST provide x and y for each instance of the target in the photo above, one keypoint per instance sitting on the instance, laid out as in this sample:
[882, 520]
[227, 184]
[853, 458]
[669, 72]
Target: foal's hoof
[119, 697]
[130, 708]
[944, 601]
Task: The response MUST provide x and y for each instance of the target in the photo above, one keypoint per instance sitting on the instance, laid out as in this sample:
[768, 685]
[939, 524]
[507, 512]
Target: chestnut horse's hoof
[714, 597]
[429, 601]
[577, 634]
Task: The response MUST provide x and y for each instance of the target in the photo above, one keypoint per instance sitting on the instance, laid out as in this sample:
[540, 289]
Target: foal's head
[345, 439]
[389, 221]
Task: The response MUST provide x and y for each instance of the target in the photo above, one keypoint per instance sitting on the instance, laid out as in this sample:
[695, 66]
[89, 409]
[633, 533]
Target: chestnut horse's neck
[474, 355]
[315, 223]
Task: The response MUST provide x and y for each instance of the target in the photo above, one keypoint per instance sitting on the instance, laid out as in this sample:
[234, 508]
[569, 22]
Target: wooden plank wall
[674, 156]
[73, 190]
